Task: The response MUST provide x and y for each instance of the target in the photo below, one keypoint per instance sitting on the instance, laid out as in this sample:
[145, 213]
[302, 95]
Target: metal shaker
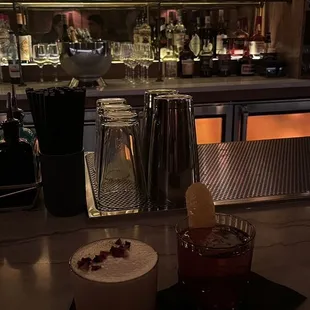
[146, 123]
[173, 160]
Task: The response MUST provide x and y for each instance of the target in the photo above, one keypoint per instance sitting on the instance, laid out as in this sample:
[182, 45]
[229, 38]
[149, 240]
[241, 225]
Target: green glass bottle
[24, 133]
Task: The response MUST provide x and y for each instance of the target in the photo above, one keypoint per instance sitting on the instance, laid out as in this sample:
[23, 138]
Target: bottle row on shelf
[204, 37]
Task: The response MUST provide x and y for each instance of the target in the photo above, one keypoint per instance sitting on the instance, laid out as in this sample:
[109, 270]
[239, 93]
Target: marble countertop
[214, 84]
[35, 248]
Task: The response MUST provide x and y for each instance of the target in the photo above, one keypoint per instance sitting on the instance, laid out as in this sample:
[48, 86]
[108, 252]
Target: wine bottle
[186, 63]
[13, 61]
[24, 39]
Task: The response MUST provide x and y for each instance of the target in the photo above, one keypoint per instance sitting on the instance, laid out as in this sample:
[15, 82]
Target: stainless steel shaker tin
[173, 159]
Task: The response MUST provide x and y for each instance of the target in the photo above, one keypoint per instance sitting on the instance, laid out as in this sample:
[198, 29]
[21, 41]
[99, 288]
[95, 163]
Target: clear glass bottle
[257, 41]
[170, 32]
[221, 33]
[179, 35]
[13, 60]
[145, 32]
[240, 38]
[170, 65]
[136, 32]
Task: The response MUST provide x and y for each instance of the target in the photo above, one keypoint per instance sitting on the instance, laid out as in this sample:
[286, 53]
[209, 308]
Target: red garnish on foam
[119, 249]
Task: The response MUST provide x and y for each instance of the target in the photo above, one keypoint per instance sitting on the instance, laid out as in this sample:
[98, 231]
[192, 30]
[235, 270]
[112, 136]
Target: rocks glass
[215, 263]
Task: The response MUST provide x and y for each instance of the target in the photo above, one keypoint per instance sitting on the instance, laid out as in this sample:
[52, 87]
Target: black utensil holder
[63, 178]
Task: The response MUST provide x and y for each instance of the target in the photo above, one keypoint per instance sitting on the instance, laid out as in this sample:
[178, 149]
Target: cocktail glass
[124, 282]
[215, 263]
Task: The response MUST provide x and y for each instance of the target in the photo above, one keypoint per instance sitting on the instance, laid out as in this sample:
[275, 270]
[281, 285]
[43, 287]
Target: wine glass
[53, 57]
[124, 56]
[40, 57]
[132, 60]
[116, 50]
[139, 59]
[147, 56]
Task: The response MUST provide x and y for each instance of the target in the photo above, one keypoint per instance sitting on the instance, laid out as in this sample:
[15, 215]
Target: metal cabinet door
[217, 114]
[277, 111]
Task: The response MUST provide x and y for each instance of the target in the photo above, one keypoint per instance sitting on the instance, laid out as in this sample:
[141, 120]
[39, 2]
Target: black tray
[263, 295]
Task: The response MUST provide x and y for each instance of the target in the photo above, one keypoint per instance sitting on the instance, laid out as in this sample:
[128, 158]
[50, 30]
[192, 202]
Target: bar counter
[204, 90]
[35, 248]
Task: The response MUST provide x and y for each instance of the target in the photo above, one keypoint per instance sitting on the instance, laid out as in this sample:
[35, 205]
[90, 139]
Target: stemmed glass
[129, 56]
[133, 57]
[124, 56]
[147, 56]
[53, 57]
[40, 57]
[116, 50]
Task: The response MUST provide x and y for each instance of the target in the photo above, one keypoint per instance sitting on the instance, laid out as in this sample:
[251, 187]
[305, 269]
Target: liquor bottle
[136, 31]
[221, 33]
[224, 60]
[245, 64]
[145, 32]
[170, 65]
[162, 33]
[186, 63]
[16, 155]
[24, 132]
[207, 51]
[267, 41]
[155, 45]
[24, 39]
[195, 39]
[170, 32]
[257, 41]
[13, 61]
[179, 35]
[207, 34]
[6, 22]
[4, 37]
[240, 37]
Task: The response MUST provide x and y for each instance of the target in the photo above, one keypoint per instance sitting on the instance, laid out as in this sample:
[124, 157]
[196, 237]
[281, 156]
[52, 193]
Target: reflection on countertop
[35, 248]
[117, 87]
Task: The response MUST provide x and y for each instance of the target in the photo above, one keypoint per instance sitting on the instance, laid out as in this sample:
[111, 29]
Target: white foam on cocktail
[141, 259]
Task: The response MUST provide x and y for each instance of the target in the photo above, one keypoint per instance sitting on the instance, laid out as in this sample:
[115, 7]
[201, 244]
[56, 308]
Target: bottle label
[247, 69]
[194, 45]
[169, 35]
[188, 67]
[146, 39]
[207, 20]
[14, 70]
[162, 27]
[136, 38]
[219, 43]
[224, 62]
[24, 45]
[239, 46]
[171, 69]
[257, 47]
[206, 62]
[179, 41]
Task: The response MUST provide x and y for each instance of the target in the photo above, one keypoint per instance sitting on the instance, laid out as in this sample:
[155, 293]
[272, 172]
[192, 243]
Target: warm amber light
[208, 130]
[278, 126]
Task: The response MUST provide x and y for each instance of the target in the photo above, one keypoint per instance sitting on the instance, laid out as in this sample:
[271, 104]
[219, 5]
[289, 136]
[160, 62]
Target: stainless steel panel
[243, 173]
[245, 109]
